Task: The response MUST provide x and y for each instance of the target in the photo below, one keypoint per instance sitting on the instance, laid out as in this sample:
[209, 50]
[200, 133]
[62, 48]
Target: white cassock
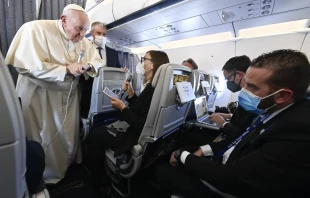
[40, 52]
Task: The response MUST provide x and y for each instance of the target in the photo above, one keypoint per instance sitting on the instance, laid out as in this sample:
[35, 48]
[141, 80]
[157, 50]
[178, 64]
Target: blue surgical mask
[250, 102]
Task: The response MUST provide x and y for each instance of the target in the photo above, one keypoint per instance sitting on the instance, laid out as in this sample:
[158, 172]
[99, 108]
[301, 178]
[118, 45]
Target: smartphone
[109, 93]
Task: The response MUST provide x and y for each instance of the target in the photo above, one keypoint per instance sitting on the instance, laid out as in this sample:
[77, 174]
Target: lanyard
[257, 122]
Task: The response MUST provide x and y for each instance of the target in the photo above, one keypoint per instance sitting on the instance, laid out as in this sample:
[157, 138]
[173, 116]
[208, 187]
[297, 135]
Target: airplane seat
[201, 82]
[164, 118]
[12, 139]
[200, 88]
[101, 110]
[137, 81]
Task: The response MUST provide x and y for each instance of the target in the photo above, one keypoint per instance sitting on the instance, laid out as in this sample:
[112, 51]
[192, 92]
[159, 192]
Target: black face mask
[233, 87]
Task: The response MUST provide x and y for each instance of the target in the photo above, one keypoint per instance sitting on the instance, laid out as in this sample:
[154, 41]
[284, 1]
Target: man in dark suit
[234, 72]
[271, 158]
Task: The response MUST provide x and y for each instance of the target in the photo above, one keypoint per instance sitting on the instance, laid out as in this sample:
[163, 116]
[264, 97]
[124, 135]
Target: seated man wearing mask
[269, 159]
[234, 72]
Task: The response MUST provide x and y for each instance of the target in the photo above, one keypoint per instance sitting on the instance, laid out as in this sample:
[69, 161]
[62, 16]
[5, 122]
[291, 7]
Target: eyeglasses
[143, 59]
[233, 74]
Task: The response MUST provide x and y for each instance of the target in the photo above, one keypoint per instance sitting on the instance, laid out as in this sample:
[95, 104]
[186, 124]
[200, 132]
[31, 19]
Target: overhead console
[108, 11]
[177, 23]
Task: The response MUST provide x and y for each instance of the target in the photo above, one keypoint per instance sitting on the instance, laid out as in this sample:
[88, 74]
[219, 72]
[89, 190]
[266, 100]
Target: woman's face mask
[100, 40]
[140, 69]
[250, 101]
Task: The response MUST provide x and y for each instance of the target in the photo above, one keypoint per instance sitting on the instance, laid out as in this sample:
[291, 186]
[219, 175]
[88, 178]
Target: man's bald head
[75, 22]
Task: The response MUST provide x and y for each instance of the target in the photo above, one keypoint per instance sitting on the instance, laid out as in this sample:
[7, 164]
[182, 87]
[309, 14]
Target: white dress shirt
[102, 51]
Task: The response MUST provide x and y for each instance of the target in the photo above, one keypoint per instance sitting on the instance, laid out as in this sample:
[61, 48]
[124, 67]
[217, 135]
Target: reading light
[266, 7]
[267, 1]
[227, 15]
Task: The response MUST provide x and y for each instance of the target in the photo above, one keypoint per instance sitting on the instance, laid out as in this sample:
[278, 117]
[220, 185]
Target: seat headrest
[163, 68]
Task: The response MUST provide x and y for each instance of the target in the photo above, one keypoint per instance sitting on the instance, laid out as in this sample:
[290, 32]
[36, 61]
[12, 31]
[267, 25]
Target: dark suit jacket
[232, 130]
[135, 116]
[275, 163]
[236, 121]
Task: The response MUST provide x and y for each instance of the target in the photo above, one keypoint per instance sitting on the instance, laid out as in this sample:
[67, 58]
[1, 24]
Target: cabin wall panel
[306, 46]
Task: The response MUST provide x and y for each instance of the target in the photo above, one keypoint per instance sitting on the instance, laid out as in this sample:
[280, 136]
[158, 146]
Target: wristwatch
[89, 67]
[178, 153]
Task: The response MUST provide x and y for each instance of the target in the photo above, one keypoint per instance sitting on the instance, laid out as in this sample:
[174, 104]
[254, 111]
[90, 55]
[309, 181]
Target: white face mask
[100, 40]
[140, 69]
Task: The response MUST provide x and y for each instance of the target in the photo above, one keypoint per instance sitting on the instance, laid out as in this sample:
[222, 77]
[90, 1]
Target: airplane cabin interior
[210, 32]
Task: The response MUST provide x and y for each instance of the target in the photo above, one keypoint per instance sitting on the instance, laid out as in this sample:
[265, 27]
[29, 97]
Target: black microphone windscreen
[129, 78]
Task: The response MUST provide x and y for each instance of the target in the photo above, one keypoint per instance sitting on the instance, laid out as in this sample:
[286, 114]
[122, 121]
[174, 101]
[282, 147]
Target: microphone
[81, 55]
[129, 79]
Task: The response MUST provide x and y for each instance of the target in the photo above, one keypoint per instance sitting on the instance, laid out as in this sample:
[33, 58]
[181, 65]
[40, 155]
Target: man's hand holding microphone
[78, 68]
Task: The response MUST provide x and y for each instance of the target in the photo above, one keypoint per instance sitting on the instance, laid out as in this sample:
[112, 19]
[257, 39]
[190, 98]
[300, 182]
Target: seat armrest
[136, 150]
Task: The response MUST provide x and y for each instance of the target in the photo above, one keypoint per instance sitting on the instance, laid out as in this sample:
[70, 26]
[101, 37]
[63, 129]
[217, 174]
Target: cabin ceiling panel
[195, 33]
[123, 8]
[141, 44]
[212, 18]
[287, 5]
[178, 27]
[181, 11]
[102, 12]
[117, 33]
[260, 45]
[272, 19]
[133, 38]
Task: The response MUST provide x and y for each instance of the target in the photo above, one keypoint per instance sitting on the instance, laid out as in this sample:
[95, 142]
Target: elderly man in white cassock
[46, 54]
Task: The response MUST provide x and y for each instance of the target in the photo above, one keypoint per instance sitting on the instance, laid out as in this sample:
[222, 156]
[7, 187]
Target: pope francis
[46, 55]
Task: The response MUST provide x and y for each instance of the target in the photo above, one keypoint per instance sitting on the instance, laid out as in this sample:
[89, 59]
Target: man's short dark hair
[192, 62]
[238, 63]
[290, 69]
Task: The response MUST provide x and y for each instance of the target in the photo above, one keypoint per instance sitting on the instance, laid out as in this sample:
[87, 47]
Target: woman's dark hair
[158, 59]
